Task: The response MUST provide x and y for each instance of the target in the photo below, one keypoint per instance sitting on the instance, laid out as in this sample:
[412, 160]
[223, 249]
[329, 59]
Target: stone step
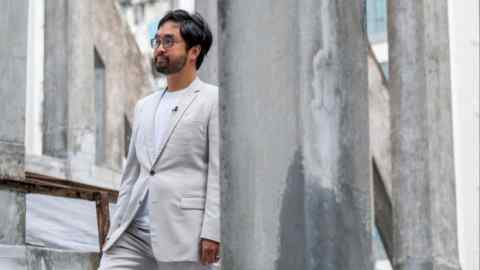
[34, 258]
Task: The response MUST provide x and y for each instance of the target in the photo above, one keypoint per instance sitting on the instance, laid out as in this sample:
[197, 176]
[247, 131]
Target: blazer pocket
[192, 203]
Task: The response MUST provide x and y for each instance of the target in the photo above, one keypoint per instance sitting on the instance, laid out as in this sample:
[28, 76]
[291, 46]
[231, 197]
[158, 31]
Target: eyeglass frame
[155, 42]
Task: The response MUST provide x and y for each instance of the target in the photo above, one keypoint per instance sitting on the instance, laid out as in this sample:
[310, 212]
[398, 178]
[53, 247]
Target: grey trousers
[133, 251]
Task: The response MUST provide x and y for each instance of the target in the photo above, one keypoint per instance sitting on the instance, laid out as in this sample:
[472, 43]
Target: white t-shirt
[166, 107]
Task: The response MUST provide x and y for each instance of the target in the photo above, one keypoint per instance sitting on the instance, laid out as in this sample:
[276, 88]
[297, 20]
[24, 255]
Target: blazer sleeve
[211, 219]
[129, 176]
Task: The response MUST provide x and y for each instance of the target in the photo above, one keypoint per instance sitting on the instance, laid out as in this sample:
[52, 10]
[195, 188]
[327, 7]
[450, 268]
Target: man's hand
[209, 251]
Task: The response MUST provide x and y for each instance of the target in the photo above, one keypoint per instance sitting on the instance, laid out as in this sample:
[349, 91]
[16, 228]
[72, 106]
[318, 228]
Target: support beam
[103, 217]
[423, 190]
[294, 116]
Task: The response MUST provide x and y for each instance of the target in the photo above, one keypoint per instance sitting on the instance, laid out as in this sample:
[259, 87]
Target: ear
[194, 52]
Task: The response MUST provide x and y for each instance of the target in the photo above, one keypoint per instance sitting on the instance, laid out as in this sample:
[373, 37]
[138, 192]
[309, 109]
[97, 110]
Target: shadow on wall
[292, 217]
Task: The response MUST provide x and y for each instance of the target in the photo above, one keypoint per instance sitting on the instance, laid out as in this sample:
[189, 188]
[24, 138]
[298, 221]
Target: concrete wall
[73, 103]
[12, 223]
[128, 76]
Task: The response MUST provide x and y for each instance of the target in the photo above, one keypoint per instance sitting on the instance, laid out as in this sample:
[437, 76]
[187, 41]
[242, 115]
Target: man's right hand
[209, 251]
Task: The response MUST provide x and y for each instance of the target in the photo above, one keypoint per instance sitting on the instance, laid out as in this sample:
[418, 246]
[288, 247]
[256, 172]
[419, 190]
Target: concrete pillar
[295, 152]
[69, 99]
[13, 78]
[55, 79]
[209, 68]
[81, 90]
[423, 189]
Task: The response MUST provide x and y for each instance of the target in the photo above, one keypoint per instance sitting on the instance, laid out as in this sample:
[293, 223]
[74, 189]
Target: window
[100, 104]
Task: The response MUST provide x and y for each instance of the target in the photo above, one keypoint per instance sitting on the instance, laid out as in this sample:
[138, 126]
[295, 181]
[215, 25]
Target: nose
[159, 50]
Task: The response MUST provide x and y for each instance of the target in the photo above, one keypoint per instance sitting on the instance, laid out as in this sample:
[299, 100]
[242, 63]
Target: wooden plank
[103, 217]
[41, 184]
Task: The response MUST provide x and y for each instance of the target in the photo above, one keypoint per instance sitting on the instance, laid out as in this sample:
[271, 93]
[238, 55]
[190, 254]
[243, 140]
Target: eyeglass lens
[166, 41]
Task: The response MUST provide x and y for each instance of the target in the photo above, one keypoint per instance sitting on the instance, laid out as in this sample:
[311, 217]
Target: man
[168, 206]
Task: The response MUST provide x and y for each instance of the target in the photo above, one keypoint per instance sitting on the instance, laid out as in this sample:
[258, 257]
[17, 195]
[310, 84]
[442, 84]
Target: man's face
[170, 60]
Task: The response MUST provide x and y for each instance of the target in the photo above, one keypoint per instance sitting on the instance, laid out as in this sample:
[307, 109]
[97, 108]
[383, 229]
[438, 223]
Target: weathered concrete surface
[74, 30]
[128, 76]
[80, 89]
[335, 120]
[425, 229]
[32, 258]
[51, 259]
[69, 92]
[13, 257]
[209, 69]
[254, 141]
[12, 218]
[13, 76]
[55, 103]
[295, 152]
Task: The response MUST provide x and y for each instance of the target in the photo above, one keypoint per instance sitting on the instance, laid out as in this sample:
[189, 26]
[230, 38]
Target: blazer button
[152, 172]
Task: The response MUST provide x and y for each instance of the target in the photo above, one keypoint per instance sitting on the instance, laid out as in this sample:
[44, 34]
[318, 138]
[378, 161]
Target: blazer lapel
[183, 105]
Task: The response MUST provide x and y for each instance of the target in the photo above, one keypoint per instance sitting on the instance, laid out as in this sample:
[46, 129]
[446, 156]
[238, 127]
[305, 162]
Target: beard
[167, 65]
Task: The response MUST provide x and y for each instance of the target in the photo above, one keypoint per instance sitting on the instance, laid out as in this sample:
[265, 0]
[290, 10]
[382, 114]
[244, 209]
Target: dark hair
[193, 29]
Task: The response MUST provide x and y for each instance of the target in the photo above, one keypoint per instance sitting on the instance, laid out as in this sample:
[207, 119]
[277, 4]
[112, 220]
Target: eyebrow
[166, 35]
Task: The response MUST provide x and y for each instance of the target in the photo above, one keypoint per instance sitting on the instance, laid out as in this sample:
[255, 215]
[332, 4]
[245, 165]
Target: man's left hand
[209, 251]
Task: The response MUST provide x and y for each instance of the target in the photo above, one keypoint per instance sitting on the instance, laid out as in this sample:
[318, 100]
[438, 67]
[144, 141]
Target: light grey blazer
[182, 175]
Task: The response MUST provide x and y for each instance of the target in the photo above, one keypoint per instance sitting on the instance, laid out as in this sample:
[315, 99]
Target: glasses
[167, 42]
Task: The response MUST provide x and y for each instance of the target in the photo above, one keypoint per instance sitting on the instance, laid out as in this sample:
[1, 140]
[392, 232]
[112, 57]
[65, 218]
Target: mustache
[161, 57]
